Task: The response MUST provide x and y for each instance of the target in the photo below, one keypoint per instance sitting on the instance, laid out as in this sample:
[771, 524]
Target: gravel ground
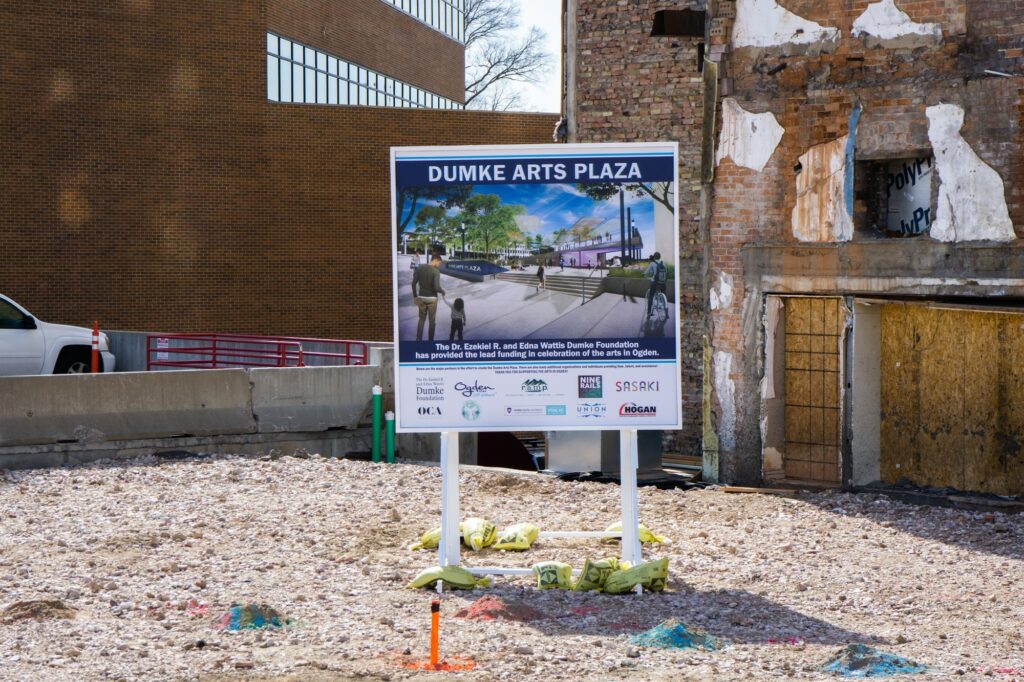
[146, 555]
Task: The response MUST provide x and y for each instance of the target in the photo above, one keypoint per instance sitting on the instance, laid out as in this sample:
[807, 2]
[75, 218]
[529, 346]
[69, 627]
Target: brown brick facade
[148, 183]
[632, 87]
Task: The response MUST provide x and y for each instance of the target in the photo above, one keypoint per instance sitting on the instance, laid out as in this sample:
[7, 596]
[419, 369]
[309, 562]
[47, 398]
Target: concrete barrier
[106, 407]
[310, 398]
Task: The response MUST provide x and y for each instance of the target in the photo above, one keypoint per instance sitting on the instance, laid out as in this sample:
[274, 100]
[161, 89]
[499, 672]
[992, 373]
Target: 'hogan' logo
[634, 410]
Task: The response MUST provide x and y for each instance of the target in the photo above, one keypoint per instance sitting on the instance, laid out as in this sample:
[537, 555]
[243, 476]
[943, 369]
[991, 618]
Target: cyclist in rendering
[657, 273]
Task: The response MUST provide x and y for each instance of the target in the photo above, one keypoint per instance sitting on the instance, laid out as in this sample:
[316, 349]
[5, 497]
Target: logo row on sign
[588, 387]
[471, 410]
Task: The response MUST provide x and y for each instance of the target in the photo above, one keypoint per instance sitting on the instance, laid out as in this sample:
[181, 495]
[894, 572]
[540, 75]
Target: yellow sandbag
[595, 574]
[553, 575]
[453, 576]
[478, 533]
[517, 537]
[652, 575]
[431, 539]
[646, 536]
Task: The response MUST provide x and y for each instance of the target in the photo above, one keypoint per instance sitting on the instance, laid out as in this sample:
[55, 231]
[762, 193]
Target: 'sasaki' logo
[636, 386]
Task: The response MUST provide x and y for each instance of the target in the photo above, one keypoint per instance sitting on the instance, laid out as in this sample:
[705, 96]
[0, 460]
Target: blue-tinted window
[302, 75]
[446, 16]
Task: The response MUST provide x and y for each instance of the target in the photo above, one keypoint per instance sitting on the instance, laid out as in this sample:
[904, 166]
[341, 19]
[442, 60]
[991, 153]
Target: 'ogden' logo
[476, 388]
[634, 410]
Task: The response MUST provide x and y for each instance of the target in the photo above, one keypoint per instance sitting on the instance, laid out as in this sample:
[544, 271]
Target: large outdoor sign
[545, 308]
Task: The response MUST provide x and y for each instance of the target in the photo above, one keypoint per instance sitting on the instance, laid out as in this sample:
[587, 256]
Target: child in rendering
[458, 318]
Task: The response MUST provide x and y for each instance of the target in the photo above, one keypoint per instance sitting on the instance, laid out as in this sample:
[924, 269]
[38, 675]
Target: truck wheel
[75, 361]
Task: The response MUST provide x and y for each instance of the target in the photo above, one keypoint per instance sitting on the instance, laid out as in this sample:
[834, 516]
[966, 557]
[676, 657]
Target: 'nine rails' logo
[535, 386]
[590, 386]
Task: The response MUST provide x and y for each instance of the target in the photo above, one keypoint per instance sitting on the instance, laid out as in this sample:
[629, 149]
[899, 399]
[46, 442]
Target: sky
[546, 15]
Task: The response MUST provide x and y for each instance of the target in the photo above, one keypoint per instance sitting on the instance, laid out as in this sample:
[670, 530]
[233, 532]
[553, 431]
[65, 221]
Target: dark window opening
[700, 57]
[679, 22]
[895, 197]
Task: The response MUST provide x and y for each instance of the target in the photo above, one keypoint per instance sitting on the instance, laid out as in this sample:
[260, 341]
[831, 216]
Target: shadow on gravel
[733, 615]
[987, 530]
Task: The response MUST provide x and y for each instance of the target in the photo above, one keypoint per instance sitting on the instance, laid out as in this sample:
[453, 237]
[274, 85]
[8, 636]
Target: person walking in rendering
[657, 273]
[458, 318]
[414, 262]
[426, 285]
[540, 277]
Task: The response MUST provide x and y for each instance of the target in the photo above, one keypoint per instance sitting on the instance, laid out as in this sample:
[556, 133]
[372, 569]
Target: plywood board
[952, 394]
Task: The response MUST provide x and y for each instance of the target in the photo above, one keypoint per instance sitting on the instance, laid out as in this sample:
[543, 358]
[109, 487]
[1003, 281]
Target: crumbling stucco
[820, 213]
[884, 25]
[725, 389]
[972, 202]
[748, 139]
[765, 23]
[721, 294]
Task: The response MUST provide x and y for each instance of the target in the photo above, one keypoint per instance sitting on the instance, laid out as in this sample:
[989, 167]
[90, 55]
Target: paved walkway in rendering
[508, 310]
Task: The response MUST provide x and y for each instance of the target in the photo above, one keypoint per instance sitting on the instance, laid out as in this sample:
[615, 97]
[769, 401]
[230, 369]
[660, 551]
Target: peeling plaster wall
[725, 389]
[820, 213]
[721, 293]
[765, 23]
[748, 139]
[972, 202]
[883, 24]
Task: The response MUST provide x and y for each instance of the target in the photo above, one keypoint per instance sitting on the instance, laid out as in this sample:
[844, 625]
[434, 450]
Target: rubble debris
[36, 609]
[251, 617]
[674, 634]
[860, 660]
[489, 608]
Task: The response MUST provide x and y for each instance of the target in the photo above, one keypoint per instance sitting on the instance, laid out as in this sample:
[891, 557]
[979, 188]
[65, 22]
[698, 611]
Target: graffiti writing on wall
[909, 193]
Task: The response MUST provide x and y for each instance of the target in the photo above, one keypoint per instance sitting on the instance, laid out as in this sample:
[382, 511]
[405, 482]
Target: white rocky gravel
[787, 582]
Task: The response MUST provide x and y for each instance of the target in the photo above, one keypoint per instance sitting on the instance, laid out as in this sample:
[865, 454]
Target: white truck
[31, 346]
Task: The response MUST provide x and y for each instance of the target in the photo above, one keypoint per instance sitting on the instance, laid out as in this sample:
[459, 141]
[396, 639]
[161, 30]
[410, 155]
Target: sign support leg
[448, 549]
[628, 463]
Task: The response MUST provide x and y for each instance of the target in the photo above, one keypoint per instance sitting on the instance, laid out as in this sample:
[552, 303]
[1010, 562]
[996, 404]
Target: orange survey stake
[435, 626]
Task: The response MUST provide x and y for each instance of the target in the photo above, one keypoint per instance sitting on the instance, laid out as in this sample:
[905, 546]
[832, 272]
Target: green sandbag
[478, 533]
[652, 575]
[553, 575]
[453, 576]
[518, 537]
[595, 574]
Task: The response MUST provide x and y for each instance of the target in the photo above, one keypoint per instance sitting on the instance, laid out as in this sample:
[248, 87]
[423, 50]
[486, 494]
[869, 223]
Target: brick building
[856, 212]
[198, 166]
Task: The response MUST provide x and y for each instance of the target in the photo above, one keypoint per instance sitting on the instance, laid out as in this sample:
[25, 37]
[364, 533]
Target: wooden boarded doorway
[952, 394]
[814, 329]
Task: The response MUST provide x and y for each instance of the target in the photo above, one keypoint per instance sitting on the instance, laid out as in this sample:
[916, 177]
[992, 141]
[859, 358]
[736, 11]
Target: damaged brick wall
[634, 87]
[812, 89]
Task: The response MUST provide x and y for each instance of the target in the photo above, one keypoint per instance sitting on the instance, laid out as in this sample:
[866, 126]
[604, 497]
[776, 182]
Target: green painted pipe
[377, 399]
[389, 436]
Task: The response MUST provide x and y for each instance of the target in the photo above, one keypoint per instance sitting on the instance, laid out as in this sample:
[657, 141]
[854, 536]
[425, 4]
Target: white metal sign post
[534, 289]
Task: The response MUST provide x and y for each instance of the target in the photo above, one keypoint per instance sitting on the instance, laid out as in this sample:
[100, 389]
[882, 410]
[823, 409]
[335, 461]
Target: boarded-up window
[679, 22]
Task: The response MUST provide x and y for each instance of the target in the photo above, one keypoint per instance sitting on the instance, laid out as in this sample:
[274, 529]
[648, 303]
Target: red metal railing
[212, 351]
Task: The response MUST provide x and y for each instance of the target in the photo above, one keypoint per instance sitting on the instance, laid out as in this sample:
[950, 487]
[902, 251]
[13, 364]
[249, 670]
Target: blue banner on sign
[498, 171]
[540, 350]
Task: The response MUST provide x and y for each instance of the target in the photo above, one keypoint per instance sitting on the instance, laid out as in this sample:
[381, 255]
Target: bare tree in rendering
[495, 59]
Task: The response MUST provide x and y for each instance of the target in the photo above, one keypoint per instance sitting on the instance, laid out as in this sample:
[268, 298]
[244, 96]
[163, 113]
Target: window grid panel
[303, 75]
[445, 16]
